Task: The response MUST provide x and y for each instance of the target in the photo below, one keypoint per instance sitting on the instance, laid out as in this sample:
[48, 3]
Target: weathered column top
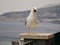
[36, 35]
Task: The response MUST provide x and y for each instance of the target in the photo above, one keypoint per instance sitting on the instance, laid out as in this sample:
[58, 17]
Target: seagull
[31, 20]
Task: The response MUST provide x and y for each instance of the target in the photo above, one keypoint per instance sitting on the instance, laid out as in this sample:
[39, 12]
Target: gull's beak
[35, 11]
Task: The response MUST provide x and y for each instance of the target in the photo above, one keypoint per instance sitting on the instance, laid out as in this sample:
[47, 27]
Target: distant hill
[16, 14]
[48, 12]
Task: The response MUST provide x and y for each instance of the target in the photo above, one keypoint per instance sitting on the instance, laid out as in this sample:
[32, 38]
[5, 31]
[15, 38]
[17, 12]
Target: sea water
[9, 30]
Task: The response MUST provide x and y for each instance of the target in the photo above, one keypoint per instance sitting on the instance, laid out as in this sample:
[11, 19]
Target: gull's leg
[35, 30]
[28, 31]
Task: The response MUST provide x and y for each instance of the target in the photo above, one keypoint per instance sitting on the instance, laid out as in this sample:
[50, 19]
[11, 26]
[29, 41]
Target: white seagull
[31, 21]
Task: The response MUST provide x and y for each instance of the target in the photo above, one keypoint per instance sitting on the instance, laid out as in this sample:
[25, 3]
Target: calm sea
[9, 30]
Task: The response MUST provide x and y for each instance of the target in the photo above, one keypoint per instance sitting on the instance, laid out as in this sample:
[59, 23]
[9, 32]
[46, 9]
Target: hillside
[48, 13]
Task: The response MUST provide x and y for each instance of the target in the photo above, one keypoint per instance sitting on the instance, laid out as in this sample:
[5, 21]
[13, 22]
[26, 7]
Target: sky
[20, 5]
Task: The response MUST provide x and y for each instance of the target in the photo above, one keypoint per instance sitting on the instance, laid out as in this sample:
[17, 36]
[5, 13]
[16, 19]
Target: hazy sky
[19, 5]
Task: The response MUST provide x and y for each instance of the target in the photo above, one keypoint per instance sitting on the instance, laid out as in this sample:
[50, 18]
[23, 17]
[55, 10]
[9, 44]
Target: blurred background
[14, 12]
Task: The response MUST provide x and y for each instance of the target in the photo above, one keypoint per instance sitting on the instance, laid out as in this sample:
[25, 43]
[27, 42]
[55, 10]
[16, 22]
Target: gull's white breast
[32, 21]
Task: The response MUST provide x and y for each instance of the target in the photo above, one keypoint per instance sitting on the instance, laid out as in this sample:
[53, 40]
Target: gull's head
[34, 10]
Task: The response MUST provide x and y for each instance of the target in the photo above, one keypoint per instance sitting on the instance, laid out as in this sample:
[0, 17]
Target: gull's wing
[25, 21]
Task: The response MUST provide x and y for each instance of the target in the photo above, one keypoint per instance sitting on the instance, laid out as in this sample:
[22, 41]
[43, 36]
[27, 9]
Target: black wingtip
[25, 23]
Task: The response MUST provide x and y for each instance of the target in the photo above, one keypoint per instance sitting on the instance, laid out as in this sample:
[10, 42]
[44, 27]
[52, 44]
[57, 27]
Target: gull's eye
[34, 10]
